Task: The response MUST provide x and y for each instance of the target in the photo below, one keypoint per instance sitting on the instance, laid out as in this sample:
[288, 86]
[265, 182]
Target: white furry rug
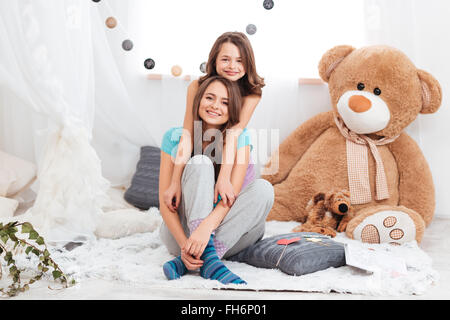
[137, 260]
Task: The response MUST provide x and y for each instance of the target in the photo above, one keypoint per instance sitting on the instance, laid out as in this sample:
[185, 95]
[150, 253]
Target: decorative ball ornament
[127, 45]
[111, 22]
[176, 71]
[251, 29]
[268, 4]
[149, 63]
[203, 67]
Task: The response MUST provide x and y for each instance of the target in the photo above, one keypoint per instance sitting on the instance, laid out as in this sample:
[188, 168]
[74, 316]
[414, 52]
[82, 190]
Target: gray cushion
[143, 192]
[301, 257]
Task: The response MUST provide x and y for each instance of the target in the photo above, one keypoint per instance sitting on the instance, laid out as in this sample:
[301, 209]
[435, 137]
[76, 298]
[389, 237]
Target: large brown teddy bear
[376, 92]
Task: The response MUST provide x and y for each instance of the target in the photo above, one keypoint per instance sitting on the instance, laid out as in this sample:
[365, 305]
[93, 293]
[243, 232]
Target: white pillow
[7, 177]
[116, 200]
[7, 208]
[15, 174]
[122, 223]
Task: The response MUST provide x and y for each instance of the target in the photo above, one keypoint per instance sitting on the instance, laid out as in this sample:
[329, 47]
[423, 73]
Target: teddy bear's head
[377, 90]
[337, 202]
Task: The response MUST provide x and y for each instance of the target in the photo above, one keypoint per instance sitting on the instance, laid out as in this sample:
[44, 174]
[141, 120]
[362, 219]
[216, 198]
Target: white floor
[436, 243]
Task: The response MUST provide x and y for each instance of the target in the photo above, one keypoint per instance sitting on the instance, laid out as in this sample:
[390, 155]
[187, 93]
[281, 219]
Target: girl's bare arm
[229, 152]
[186, 141]
[184, 151]
[171, 219]
[248, 107]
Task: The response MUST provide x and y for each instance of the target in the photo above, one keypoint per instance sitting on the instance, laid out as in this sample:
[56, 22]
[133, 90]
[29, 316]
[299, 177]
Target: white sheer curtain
[46, 62]
[420, 29]
[120, 129]
[55, 62]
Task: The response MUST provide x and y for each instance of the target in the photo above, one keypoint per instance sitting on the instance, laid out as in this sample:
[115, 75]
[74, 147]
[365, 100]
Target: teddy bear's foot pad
[394, 227]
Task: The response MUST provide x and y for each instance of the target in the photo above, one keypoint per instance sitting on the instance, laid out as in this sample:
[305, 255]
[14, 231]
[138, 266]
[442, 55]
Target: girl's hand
[226, 191]
[196, 243]
[172, 196]
[190, 262]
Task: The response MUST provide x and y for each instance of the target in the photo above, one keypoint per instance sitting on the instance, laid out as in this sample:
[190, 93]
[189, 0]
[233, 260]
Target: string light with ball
[127, 44]
[251, 29]
[149, 63]
[176, 71]
[268, 4]
[203, 67]
[111, 22]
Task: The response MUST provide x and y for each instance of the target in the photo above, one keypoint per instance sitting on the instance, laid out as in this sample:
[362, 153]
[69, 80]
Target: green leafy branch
[8, 233]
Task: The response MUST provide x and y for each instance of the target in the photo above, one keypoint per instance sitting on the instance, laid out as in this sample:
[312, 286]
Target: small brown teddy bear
[327, 212]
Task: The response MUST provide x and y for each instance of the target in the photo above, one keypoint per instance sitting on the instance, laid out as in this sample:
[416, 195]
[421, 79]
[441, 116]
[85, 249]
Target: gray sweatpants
[243, 225]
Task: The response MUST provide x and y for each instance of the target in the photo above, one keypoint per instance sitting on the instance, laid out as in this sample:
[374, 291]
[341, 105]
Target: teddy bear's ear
[331, 59]
[431, 92]
[318, 196]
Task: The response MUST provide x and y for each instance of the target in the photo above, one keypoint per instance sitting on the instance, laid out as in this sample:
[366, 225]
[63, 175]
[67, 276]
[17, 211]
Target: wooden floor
[436, 243]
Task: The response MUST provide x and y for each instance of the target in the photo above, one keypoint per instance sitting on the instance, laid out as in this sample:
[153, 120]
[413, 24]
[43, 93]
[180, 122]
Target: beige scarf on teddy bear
[358, 165]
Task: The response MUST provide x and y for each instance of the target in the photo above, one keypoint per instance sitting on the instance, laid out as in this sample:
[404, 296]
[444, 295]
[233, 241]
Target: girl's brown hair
[234, 111]
[251, 82]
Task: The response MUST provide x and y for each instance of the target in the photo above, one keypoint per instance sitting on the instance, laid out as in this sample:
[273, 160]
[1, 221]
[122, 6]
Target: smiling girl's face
[229, 62]
[213, 109]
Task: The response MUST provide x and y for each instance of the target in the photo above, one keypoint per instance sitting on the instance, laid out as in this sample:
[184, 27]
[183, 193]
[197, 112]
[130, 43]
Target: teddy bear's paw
[393, 227]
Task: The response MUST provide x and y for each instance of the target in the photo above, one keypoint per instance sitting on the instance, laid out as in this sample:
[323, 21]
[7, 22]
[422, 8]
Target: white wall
[289, 38]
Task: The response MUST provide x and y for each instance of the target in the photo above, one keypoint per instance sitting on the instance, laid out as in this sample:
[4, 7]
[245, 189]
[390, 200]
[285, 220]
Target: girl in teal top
[172, 137]
[200, 232]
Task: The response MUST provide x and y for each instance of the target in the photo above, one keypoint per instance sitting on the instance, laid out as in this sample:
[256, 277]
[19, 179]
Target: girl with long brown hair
[203, 230]
[231, 57]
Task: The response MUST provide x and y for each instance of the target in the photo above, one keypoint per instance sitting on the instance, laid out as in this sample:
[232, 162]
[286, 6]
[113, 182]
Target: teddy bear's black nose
[343, 208]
